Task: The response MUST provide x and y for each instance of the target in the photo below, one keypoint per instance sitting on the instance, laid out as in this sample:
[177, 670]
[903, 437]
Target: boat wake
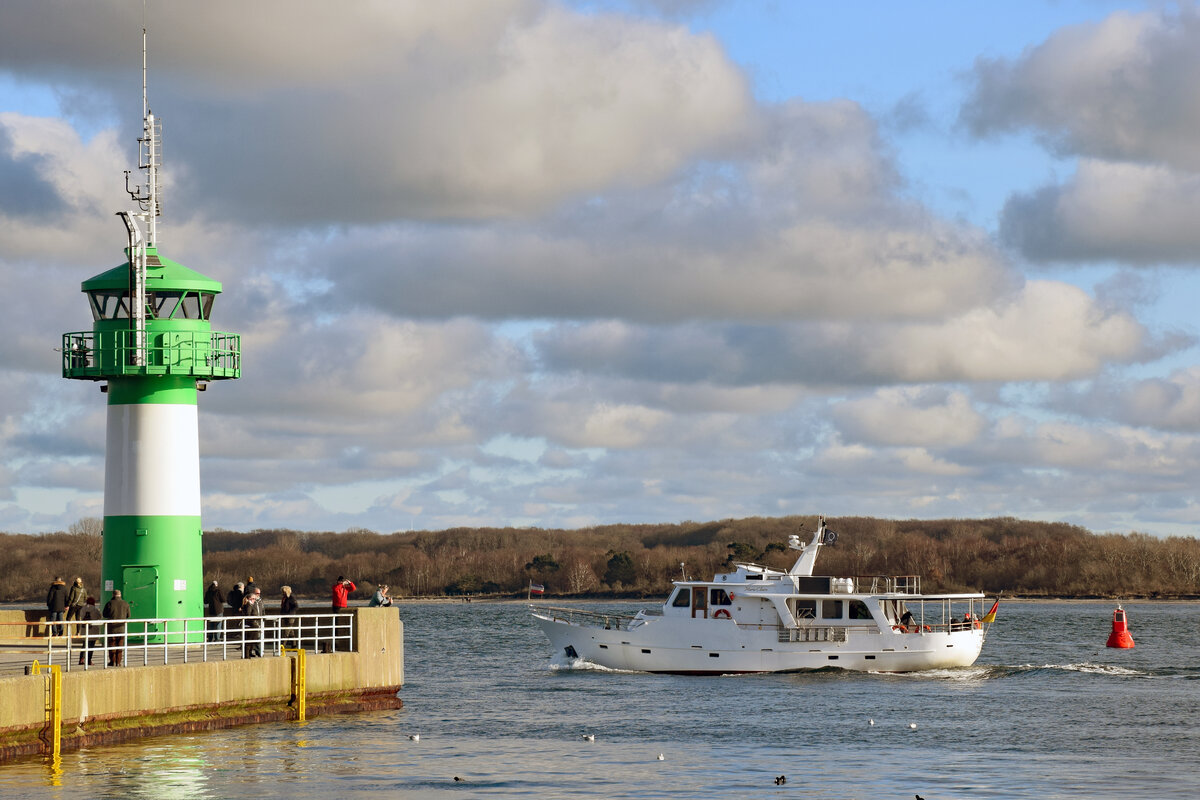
[1087, 668]
[564, 664]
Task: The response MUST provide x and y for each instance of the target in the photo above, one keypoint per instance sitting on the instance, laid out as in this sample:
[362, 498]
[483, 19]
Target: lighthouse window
[683, 598]
[109, 305]
[163, 303]
[191, 306]
[206, 303]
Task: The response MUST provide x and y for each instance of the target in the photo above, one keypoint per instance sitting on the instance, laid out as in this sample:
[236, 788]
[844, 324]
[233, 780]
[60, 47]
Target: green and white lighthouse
[152, 348]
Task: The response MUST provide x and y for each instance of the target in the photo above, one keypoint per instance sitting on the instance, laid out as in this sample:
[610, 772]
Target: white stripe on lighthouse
[152, 461]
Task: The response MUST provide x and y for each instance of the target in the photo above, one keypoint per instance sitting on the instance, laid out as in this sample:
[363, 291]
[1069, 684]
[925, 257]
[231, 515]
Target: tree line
[1015, 557]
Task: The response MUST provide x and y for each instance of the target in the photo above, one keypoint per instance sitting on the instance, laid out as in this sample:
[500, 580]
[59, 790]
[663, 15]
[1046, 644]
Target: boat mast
[808, 552]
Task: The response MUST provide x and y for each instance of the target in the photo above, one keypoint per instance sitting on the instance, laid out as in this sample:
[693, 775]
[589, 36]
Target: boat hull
[722, 647]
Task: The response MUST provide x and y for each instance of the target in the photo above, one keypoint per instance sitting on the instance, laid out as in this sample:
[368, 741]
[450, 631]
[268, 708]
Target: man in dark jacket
[116, 609]
[235, 597]
[91, 632]
[56, 605]
[214, 606]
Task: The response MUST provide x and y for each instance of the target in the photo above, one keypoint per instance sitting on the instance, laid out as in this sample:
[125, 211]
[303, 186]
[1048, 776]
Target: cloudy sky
[550, 263]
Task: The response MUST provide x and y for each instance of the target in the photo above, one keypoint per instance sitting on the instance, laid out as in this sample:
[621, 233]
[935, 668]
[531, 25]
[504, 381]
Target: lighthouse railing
[104, 644]
[98, 355]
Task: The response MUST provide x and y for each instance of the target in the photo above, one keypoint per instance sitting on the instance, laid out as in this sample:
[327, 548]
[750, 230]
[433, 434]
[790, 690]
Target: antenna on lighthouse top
[150, 160]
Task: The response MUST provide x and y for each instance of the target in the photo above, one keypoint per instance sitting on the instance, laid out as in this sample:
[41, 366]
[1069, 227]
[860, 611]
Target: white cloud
[1119, 89]
[912, 416]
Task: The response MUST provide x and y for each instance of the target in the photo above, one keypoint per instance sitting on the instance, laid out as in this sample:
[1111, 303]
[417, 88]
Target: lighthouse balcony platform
[100, 355]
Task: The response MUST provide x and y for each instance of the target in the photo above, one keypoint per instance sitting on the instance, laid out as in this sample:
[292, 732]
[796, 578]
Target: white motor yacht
[759, 619]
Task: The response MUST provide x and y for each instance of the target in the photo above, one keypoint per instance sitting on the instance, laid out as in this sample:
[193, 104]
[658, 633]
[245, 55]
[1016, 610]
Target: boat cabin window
[832, 609]
[859, 610]
[805, 609]
[682, 599]
[754, 577]
[719, 597]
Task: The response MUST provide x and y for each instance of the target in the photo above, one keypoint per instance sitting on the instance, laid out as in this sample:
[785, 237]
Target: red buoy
[1120, 633]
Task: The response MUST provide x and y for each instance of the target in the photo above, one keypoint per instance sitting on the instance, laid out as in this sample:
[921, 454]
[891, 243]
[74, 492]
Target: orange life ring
[899, 629]
[721, 613]
[927, 628]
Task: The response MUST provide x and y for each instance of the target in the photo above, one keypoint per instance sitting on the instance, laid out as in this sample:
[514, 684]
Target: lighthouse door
[141, 591]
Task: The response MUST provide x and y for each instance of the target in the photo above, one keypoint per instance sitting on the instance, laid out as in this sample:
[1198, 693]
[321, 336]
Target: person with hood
[116, 610]
[76, 596]
[214, 606]
[91, 631]
[56, 605]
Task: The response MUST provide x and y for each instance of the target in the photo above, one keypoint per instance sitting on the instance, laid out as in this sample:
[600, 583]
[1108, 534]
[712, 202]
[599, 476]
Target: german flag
[990, 616]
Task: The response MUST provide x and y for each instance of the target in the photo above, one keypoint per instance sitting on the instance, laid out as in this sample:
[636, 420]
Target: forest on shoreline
[1016, 558]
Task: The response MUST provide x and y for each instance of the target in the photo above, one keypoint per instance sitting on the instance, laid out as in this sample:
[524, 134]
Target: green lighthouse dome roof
[161, 274]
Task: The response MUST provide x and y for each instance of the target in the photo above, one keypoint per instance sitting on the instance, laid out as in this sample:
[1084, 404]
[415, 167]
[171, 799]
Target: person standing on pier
[341, 593]
[91, 631]
[76, 596]
[288, 606]
[56, 605]
[114, 610]
[214, 606]
[252, 607]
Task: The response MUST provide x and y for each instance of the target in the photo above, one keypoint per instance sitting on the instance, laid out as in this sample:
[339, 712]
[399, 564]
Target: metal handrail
[579, 616]
[120, 643]
[100, 354]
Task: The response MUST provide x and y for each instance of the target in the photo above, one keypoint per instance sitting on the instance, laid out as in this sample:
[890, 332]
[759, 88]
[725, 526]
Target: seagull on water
[416, 737]
[781, 780]
[912, 725]
[661, 757]
[589, 737]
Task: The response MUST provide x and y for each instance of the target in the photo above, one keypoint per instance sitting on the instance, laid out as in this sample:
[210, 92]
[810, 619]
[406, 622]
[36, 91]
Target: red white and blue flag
[536, 588]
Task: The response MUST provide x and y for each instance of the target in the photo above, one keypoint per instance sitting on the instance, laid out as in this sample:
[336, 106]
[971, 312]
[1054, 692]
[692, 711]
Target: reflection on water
[1048, 712]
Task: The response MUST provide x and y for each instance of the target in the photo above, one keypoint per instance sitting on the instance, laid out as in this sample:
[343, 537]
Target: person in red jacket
[341, 593]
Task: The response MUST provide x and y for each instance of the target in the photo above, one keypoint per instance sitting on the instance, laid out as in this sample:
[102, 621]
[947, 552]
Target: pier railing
[105, 644]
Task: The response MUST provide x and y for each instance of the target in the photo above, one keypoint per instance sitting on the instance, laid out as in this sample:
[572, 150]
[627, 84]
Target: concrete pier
[101, 706]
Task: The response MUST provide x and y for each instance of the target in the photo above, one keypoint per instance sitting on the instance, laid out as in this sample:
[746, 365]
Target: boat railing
[584, 618]
[890, 584]
[813, 633]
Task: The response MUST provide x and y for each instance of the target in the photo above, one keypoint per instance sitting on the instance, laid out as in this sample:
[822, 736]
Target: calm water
[1048, 712]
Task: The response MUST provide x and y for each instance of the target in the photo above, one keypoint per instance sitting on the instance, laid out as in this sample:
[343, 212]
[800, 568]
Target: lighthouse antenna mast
[149, 159]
